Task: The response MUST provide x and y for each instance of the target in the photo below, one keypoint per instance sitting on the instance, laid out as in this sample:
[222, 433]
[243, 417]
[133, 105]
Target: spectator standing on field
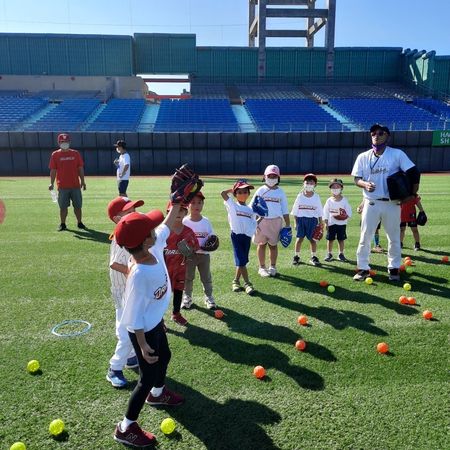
[123, 164]
[67, 167]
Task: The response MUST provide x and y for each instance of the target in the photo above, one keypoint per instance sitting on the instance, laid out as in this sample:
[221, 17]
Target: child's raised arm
[225, 194]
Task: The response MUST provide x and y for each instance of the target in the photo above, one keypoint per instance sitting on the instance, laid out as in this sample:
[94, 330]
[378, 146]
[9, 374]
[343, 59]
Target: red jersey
[409, 210]
[66, 163]
[175, 261]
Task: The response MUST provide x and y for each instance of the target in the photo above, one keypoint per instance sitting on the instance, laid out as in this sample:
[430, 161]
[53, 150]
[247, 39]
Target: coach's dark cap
[377, 126]
[120, 143]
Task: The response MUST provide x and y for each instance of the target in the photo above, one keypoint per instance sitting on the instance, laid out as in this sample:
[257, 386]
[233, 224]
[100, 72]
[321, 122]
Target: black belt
[383, 199]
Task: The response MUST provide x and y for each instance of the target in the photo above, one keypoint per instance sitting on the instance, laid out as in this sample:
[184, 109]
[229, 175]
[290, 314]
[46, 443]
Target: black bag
[421, 218]
[399, 186]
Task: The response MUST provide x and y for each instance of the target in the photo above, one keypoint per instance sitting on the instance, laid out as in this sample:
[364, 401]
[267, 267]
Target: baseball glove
[185, 184]
[186, 248]
[259, 206]
[421, 218]
[342, 214]
[399, 186]
[317, 233]
[211, 244]
[286, 236]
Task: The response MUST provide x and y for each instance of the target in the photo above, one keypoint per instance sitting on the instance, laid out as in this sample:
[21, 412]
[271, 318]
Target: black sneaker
[394, 275]
[62, 227]
[296, 260]
[328, 258]
[314, 261]
[361, 275]
[82, 226]
[342, 257]
[401, 244]
[416, 246]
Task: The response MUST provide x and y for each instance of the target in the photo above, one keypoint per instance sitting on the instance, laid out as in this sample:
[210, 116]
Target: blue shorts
[337, 232]
[122, 185]
[305, 226]
[241, 248]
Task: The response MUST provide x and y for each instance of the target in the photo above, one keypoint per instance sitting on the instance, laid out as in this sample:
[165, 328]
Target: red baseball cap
[242, 184]
[134, 228]
[120, 204]
[310, 176]
[63, 137]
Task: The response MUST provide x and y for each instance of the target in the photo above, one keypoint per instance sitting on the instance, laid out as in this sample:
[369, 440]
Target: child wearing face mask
[243, 224]
[307, 210]
[336, 213]
[269, 227]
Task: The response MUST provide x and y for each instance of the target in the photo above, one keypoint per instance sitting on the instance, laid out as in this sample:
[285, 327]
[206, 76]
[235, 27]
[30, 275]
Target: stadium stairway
[148, 119]
[341, 119]
[245, 122]
[35, 117]
[93, 116]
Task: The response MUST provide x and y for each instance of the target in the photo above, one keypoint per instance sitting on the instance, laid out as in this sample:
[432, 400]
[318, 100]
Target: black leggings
[150, 375]
[177, 297]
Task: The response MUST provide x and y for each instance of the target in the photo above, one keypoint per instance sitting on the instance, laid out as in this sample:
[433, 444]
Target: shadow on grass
[235, 424]
[246, 325]
[238, 351]
[91, 235]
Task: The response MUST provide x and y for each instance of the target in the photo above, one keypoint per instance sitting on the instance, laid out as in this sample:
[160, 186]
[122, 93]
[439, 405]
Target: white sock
[313, 254]
[156, 391]
[297, 253]
[125, 424]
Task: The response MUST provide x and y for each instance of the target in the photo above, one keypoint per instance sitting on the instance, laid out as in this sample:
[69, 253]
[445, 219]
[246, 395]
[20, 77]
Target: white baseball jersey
[202, 229]
[241, 218]
[124, 159]
[276, 201]
[307, 206]
[377, 168]
[332, 208]
[148, 289]
[118, 255]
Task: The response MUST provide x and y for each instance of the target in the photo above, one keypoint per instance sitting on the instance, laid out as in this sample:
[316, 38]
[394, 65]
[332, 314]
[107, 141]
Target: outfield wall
[28, 153]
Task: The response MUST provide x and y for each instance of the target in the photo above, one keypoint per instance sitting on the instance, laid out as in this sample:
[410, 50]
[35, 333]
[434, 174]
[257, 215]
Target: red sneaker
[179, 319]
[134, 435]
[167, 398]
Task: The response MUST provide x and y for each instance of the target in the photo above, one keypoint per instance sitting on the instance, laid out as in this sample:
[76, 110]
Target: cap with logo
[242, 184]
[63, 137]
[120, 143]
[120, 204]
[272, 169]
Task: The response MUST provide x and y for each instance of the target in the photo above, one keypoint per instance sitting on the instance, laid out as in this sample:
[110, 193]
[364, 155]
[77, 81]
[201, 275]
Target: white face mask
[308, 187]
[64, 146]
[271, 182]
[336, 191]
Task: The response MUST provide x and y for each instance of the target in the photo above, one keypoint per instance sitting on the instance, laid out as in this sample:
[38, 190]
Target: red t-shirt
[409, 210]
[175, 261]
[66, 163]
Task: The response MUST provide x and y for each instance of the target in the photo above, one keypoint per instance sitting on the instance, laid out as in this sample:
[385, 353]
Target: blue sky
[387, 23]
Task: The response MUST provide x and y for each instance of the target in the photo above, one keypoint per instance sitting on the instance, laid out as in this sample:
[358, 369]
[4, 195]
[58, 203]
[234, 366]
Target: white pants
[388, 213]
[124, 347]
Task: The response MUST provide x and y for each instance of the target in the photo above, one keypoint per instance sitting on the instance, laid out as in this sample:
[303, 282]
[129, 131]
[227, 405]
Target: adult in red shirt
[66, 166]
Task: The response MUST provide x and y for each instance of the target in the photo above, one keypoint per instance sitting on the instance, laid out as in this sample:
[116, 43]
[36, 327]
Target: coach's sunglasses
[378, 133]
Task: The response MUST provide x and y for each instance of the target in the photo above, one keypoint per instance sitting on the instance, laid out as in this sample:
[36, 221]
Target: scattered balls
[403, 300]
[372, 273]
[408, 263]
[407, 287]
[18, 446]
[411, 301]
[369, 280]
[56, 427]
[323, 283]
[444, 259]
[407, 258]
[218, 314]
[409, 269]
[331, 288]
[382, 347]
[300, 345]
[402, 267]
[33, 366]
[259, 372]
[427, 314]
[168, 426]
[302, 320]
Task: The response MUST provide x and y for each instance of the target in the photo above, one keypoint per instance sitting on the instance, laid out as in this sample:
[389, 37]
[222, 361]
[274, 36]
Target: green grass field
[338, 394]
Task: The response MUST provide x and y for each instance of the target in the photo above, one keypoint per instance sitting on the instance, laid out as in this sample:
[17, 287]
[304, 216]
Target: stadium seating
[279, 91]
[394, 113]
[195, 115]
[69, 115]
[436, 107]
[15, 109]
[119, 115]
[291, 115]
[59, 95]
[208, 91]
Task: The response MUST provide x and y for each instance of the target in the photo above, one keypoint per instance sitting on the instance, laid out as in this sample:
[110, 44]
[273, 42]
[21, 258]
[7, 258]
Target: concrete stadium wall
[28, 153]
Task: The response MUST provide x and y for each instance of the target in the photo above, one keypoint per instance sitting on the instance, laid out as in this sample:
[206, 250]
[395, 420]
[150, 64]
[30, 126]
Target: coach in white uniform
[371, 170]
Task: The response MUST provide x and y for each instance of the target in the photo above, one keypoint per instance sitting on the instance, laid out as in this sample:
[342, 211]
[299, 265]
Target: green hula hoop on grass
[66, 323]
